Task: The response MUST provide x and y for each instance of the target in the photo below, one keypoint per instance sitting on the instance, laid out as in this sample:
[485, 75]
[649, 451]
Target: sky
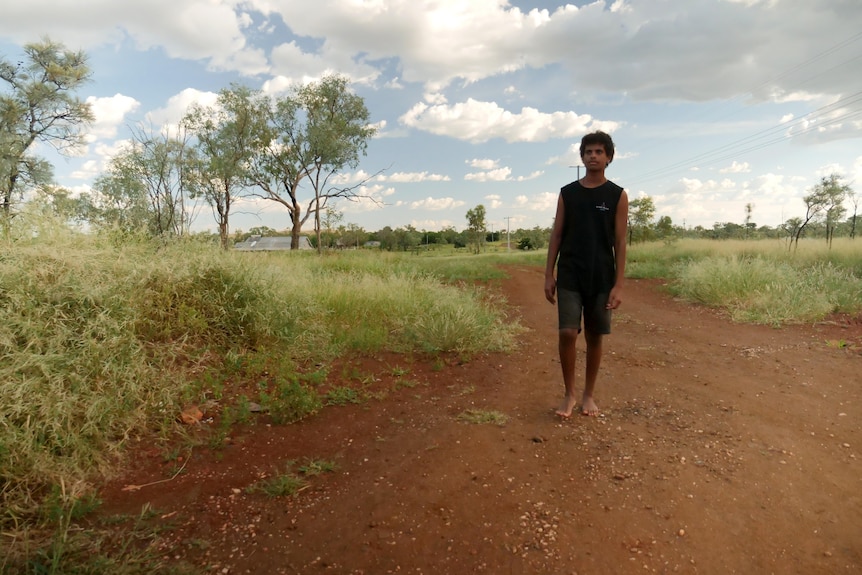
[712, 104]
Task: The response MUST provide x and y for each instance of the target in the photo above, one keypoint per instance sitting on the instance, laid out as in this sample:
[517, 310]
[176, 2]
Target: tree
[353, 235]
[834, 192]
[150, 186]
[749, 224]
[448, 235]
[39, 107]
[791, 228]
[665, 229]
[641, 214]
[476, 227]
[824, 202]
[854, 201]
[60, 203]
[331, 221]
[228, 134]
[315, 131]
[532, 239]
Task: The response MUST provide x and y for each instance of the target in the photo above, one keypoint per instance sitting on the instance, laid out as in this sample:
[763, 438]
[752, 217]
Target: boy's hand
[614, 298]
[550, 289]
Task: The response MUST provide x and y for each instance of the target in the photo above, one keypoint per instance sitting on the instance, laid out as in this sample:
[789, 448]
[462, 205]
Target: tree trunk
[294, 230]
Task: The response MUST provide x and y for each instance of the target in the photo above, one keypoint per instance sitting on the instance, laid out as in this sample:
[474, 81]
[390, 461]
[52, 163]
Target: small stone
[682, 532]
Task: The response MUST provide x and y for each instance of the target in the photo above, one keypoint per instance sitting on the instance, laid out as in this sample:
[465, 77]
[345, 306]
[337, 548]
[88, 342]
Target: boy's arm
[620, 233]
[554, 251]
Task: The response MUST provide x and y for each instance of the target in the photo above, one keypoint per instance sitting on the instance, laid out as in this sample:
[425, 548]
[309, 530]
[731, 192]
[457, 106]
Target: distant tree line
[831, 210]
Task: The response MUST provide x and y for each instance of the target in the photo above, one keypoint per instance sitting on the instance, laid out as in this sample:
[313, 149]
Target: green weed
[280, 485]
[483, 416]
[317, 466]
[343, 395]
[290, 401]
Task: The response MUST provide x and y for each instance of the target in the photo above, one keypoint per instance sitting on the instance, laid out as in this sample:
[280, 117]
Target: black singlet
[586, 263]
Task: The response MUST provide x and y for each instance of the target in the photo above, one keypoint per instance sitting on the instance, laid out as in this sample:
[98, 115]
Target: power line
[722, 152]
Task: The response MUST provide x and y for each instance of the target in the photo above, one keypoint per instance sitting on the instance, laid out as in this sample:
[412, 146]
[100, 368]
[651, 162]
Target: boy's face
[595, 157]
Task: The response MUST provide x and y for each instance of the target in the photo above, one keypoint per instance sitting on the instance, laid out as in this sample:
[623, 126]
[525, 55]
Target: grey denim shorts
[571, 307]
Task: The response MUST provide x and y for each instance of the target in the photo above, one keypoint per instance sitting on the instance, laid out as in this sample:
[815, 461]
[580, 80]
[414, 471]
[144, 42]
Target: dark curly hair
[598, 137]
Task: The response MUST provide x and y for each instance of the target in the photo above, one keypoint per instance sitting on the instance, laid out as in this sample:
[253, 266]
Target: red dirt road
[721, 448]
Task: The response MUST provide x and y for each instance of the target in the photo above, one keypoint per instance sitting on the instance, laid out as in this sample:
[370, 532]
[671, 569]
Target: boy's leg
[568, 355]
[594, 361]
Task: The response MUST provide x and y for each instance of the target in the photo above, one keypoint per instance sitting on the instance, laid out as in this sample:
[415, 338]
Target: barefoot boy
[589, 238]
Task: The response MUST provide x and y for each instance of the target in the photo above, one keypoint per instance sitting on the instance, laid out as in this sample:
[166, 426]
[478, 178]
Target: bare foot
[565, 409]
[589, 407]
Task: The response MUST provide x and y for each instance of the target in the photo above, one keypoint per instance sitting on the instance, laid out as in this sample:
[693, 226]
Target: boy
[589, 237]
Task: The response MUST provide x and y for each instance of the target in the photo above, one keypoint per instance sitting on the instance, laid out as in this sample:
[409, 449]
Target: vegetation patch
[482, 416]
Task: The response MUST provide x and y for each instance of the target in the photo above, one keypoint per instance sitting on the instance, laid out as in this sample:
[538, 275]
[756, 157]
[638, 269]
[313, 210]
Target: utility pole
[579, 170]
[508, 242]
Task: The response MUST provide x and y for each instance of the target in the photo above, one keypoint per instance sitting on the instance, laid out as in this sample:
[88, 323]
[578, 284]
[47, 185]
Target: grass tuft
[481, 416]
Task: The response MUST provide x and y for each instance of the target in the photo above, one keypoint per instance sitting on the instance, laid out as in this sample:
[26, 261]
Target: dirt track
[721, 448]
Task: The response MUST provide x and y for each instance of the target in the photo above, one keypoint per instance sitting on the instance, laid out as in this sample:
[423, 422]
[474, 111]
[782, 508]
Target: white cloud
[369, 198]
[736, 168]
[494, 201]
[483, 163]
[541, 202]
[412, 177]
[775, 198]
[431, 225]
[178, 105]
[196, 29]
[435, 204]
[477, 122]
[532, 176]
[498, 175]
[110, 113]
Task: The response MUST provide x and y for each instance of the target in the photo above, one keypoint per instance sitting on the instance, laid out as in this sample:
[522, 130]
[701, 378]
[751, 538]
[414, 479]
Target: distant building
[270, 244]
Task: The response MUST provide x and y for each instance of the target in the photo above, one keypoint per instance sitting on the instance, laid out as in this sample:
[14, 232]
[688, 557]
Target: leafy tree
[330, 221]
[119, 195]
[314, 132]
[228, 134]
[727, 230]
[641, 214]
[791, 228]
[262, 231]
[834, 192]
[448, 235]
[532, 239]
[476, 227]
[854, 201]
[399, 239]
[824, 202]
[150, 186]
[39, 106]
[353, 235]
[665, 229]
[62, 205]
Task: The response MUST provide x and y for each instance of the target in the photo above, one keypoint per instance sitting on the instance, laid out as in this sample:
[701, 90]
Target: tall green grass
[759, 281]
[101, 341]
